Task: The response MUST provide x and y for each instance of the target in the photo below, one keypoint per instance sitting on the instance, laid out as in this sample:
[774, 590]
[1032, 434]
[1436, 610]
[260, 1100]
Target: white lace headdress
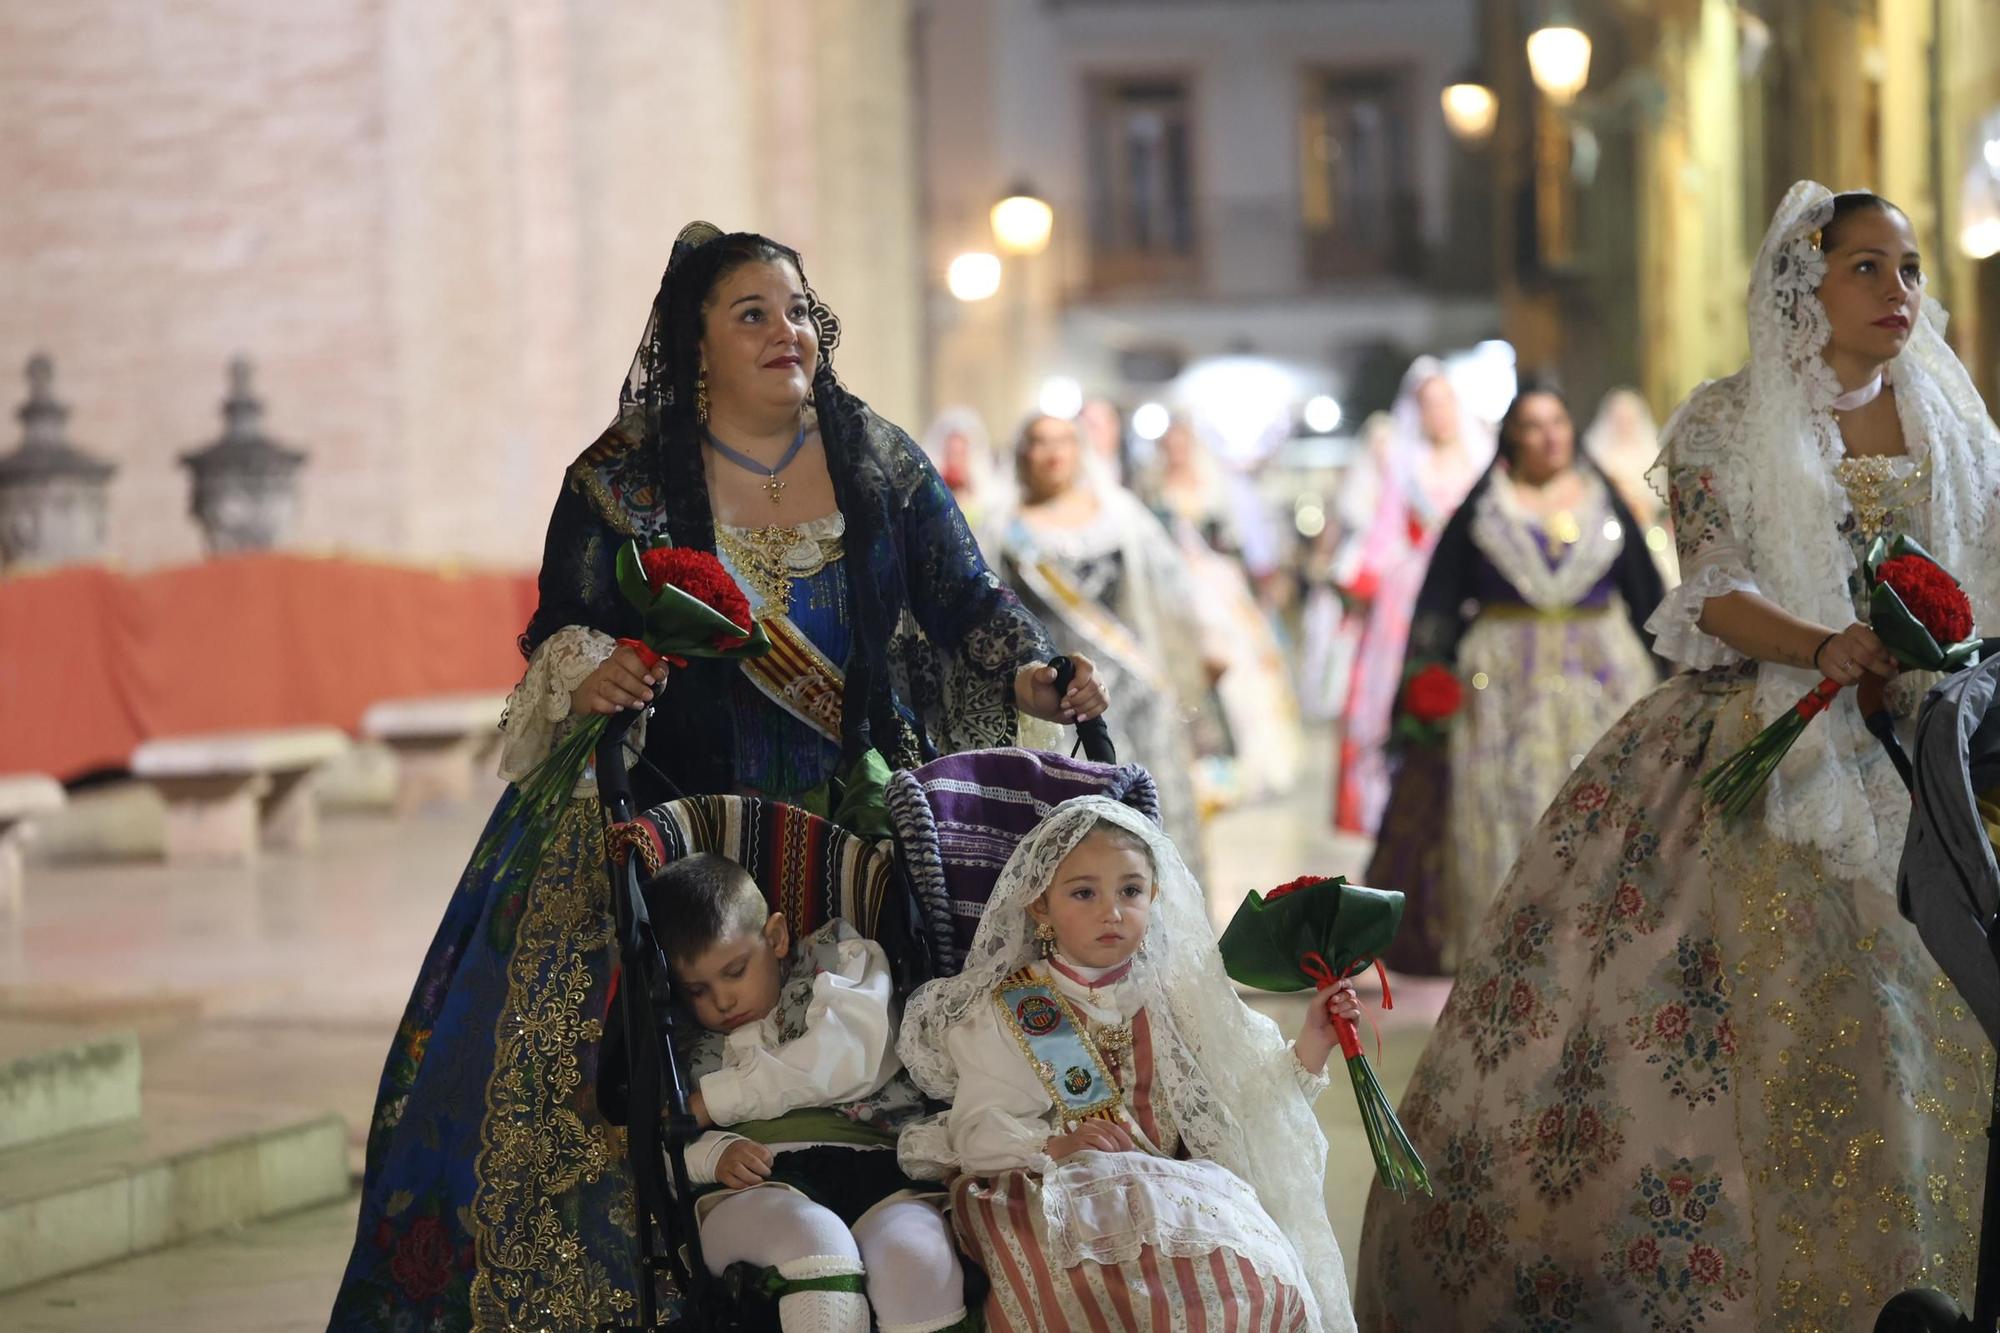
[1768, 435]
[1223, 1070]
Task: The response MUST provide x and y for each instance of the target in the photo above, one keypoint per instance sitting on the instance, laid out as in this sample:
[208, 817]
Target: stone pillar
[245, 485]
[52, 494]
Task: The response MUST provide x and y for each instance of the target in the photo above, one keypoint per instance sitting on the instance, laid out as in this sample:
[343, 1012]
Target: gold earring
[1045, 940]
[701, 397]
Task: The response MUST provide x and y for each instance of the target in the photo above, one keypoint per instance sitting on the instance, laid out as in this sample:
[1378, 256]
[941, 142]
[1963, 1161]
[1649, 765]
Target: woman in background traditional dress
[1535, 603]
[1625, 444]
[1091, 560]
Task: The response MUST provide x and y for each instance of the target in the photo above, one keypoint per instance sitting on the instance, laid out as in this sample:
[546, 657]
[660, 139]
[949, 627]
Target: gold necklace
[770, 558]
[1111, 1039]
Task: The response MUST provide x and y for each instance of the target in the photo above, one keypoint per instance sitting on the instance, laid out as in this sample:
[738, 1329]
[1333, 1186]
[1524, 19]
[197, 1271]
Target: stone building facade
[435, 224]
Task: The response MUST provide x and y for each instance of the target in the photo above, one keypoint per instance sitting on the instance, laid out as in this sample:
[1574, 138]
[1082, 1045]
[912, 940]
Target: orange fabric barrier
[92, 662]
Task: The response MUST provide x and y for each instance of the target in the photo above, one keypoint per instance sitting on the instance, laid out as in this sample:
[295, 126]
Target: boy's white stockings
[905, 1248]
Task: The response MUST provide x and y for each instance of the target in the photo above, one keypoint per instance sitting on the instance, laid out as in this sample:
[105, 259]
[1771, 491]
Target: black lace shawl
[937, 638]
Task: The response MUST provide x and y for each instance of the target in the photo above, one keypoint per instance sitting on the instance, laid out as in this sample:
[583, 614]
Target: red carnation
[1433, 695]
[1293, 886]
[701, 576]
[1931, 595]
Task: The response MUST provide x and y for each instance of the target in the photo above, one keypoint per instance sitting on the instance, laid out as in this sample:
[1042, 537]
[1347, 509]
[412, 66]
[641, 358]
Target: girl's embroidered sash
[1054, 1039]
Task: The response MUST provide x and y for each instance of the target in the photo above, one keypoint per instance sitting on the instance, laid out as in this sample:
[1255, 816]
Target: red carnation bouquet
[1432, 696]
[688, 606]
[1315, 931]
[1921, 615]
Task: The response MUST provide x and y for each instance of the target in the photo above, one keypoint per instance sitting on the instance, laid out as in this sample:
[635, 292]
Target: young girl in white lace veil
[1697, 1071]
[1207, 1198]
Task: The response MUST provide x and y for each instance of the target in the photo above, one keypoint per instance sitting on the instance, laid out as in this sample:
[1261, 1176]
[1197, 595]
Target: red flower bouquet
[1313, 932]
[1432, 696]
[688, 606]
[1921, 615]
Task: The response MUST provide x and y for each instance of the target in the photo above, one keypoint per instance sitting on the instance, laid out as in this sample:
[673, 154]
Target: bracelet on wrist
[1822, 648]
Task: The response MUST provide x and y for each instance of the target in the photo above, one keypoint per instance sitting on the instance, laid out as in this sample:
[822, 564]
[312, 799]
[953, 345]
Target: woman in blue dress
[495, 1194]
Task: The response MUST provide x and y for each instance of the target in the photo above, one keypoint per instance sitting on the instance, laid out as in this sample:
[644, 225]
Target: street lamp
[1559, 60]
[1022, 222]
[973, 276]
[1470, 109]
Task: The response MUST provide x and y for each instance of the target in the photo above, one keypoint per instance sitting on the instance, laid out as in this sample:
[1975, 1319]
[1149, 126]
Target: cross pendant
[775, 488]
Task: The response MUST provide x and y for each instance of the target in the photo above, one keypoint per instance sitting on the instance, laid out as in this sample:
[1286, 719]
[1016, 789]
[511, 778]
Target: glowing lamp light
[1559, 59]
[973, 276]
[1470, 111]
[1061, 396]
[1022, 224]
[1151, 420]
[1980, 239]
[1323, 415]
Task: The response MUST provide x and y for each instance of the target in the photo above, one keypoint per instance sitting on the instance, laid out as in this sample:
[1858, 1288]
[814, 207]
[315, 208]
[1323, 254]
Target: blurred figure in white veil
[960, 449]
[1437, 449]
[1624, 442]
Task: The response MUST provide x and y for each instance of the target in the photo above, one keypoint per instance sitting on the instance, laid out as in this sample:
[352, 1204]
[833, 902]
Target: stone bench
[22, 797]
[440, 741]
[227, 792]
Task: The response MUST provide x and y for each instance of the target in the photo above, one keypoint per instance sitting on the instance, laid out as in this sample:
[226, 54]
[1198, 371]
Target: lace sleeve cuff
[1311, 1085]
[1674, 624]
[538, 711]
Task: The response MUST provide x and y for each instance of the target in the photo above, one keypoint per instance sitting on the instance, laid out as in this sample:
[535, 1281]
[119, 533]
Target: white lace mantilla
[1226, 1076]
[1767, 441]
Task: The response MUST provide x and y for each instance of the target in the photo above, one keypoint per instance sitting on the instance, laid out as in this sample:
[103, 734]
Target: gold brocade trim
[545, 1172]
[770, 558]
[1842, 1022]
[1875, 491]
[1112, 1107]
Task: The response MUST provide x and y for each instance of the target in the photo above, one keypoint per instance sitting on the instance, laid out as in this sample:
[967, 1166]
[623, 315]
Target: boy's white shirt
[847, 1051]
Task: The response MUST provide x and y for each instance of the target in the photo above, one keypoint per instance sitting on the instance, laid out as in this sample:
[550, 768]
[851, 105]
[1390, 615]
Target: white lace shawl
[1225, 1072]
[1506, 533]
[1765, 438]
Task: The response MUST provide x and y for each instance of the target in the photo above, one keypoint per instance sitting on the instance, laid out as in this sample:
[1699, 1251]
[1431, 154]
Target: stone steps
[94, 1174]
[54, 1082]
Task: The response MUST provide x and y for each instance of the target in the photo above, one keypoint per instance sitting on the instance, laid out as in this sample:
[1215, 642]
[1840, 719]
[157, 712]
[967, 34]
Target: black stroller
[900, 895]
[1949, 886]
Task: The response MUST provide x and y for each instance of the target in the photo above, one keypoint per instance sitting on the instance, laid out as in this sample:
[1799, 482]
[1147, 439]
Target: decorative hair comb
[692, 238]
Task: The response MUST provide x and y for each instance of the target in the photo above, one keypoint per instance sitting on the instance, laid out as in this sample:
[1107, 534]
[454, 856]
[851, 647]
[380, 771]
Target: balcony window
[1357, 197]
[1142, 221]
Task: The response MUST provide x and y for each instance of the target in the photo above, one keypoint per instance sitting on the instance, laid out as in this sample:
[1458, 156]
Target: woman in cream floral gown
[1697, 1072]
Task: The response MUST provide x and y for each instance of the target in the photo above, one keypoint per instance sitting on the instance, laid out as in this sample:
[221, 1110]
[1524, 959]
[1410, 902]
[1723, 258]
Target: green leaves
[1346, 924]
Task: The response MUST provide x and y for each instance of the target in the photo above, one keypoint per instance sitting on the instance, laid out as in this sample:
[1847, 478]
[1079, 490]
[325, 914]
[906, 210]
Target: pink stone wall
[435, 224]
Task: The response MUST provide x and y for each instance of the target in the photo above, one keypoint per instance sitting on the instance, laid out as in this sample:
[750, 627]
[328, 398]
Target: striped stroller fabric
[810, 869]
[958, 819]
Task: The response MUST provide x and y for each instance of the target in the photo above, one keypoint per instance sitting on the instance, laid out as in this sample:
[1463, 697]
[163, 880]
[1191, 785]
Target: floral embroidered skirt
[1177, 1245]
[496, 1196]
[1687, 1078]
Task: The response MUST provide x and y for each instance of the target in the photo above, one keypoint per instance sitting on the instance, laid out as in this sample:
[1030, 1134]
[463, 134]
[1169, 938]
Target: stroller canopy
[1949, 883]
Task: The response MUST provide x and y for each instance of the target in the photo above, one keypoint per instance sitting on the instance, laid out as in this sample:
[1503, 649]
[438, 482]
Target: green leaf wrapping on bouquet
[678, 623]
[1278, 942]
[1345, 924]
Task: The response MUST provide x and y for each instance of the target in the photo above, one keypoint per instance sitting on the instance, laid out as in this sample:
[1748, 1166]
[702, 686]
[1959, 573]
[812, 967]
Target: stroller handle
[1094, 736]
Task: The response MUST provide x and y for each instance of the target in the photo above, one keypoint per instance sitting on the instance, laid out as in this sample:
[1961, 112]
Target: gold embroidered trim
[770, 558]
[542, 1167]
[1112, 1107]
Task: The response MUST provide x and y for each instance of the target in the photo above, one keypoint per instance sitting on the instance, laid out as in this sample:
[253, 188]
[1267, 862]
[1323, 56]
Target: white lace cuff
[1675, 623]
[1311, 1085]
[538, 713]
